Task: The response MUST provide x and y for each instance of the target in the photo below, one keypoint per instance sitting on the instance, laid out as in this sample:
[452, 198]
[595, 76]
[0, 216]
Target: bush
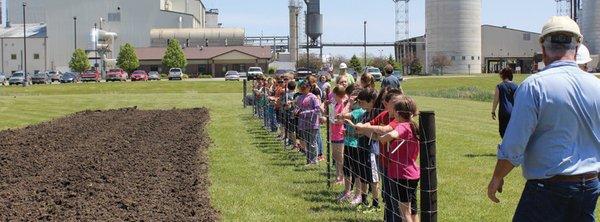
[206, 76]
[185, 76]
[271, 70]
[164, 76]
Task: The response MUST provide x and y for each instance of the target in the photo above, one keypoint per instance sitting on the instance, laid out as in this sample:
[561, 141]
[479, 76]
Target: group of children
[374, 139]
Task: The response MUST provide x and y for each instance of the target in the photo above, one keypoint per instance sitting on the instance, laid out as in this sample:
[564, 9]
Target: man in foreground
[554, 133]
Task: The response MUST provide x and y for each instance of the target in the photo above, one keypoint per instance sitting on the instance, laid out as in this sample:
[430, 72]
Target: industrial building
[11, 48]
[100, 27]
[500, 47]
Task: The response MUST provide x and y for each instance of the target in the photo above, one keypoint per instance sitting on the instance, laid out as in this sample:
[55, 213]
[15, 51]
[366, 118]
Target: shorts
[350, 161]
[367, 165]
[403, 190]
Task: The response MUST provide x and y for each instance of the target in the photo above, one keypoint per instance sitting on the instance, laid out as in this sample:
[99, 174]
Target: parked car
[232, 75]
[69, 77]
[153, 75]
[54, 76]
[2, 79]
[302, 73]
[280, 72]
[92, 75]
[254, 72]
[398, 74]
[116, 75]
[175, 73]
[375, 72]
[139, 75]
[18, 78]
[243, 75]
[40, 78]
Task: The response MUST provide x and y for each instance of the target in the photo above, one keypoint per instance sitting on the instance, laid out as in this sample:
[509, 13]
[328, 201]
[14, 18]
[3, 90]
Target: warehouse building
[501, 47]
[11, 48]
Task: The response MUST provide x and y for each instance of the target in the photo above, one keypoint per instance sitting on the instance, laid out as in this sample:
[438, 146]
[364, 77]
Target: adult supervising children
[554, 134]
[344, 73]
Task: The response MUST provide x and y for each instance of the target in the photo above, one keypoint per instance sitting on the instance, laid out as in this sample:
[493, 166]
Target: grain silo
[453, 31]
[590, 25]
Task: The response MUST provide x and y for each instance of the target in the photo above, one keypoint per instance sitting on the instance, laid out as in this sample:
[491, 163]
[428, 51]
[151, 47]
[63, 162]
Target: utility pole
[365, 42]
[75, 33]
[25, 81]
[307, 41]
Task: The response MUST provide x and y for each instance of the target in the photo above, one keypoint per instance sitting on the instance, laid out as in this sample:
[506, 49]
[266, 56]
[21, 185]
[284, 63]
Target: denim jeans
[310, 136]
[272, 119]
[319, 142]
[558, 201]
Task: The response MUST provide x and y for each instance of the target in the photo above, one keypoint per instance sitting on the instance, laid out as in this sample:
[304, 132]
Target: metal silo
[590, 25]
[453, 30]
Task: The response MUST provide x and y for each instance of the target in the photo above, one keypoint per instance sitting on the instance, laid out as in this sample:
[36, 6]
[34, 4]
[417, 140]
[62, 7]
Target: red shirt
[403, 153]
[383, 119]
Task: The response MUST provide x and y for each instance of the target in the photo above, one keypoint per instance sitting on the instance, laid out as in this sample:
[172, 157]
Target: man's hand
[494, 115]
[495, 186]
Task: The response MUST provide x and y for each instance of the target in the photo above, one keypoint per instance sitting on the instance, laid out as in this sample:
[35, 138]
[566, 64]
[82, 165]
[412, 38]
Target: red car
[139, 75]
[116, 75]
[92, 75]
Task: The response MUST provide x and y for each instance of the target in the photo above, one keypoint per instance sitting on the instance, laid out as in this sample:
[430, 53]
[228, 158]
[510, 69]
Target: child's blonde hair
[406, 107]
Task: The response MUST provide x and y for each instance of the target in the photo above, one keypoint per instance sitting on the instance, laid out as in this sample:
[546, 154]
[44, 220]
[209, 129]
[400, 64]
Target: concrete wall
[14, 46]
[504, 42]
[137, 18]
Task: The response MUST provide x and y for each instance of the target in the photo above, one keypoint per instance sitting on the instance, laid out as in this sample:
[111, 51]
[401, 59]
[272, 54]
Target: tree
[127, 59]
[174, 57]
[440, 61]
[392, 61]
[355, 64]
[416, 67]
[315, 62]
[407, 61]
[79, 61]
[378, 62]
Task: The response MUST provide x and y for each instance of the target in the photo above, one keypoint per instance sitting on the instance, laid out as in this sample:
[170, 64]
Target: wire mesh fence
[382, 159]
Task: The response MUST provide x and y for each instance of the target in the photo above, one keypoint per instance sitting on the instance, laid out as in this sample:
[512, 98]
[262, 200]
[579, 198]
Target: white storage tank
[590, 25]
[453, 29]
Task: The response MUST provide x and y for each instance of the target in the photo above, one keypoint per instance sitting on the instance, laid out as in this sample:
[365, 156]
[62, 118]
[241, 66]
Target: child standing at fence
[291, 122]
[355, 114]
[337, 132]
[402, 168]
[367, 150]
[308, 121]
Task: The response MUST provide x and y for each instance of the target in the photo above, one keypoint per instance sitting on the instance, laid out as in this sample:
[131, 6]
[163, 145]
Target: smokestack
[293, 42]
[5, 23]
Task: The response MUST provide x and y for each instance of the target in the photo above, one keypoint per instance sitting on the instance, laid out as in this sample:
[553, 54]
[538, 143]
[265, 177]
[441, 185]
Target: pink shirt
[403, 154]
[337, 129]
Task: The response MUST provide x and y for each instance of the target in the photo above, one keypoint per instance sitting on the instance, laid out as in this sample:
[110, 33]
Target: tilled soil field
[111, 165]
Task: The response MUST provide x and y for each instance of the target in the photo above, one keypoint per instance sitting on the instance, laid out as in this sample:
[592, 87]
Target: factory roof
[204, 53]
[16, 31]
[504, 27]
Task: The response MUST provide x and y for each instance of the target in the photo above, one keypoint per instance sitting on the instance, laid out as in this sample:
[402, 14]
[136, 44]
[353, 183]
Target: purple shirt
[309, 107]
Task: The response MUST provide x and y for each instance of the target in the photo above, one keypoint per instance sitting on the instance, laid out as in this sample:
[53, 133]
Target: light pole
[25, 81]
[75, 32]
[365, 42]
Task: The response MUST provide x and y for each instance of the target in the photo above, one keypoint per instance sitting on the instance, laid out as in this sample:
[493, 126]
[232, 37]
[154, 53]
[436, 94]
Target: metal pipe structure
[364, 43]
[75, 33]
[24, 47]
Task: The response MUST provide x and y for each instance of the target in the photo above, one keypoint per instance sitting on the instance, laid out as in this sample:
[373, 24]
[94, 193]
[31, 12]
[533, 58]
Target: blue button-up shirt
[555, 123]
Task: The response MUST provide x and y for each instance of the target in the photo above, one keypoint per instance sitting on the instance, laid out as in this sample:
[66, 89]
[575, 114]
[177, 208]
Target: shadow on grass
[313, 188]
[470, 155]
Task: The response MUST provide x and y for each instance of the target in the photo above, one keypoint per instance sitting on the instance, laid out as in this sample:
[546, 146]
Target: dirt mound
[111, 165]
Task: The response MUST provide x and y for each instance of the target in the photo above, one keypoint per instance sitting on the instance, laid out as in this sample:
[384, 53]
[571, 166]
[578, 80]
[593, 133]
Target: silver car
[175, 73]
[232, 75]
[18, 78]
[375, 72]
[153, 75]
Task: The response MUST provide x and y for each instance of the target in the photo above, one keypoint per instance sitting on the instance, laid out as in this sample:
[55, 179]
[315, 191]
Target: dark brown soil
[111, 165]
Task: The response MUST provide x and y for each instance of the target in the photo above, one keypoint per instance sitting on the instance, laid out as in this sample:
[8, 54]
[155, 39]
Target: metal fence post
[244, 93]
[328, 147]
[428, 167]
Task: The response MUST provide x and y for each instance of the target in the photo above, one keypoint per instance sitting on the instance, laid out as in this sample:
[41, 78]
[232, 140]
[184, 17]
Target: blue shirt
[350, 137]
[555, 124]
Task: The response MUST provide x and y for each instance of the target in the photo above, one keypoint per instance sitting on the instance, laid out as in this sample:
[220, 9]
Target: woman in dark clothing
[505, 96]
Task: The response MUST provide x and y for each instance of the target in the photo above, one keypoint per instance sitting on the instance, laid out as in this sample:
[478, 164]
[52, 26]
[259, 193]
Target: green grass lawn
[254, 179]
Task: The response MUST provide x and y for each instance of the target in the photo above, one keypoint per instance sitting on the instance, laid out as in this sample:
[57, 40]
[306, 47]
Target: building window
[527, 37]
[36, 56]
[36, 71]
[453, 58]
[478, 58]
[13, 56]
[472, 57]
[114, 17]
[464, 58]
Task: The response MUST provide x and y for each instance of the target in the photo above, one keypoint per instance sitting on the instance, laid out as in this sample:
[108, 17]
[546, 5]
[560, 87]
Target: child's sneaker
[344, 197]
[356, 201]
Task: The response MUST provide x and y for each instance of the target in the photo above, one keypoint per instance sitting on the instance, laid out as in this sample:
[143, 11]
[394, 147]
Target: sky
[343, 19]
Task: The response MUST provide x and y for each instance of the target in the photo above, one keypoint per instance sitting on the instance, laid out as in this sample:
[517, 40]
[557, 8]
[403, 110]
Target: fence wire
[370, 153]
